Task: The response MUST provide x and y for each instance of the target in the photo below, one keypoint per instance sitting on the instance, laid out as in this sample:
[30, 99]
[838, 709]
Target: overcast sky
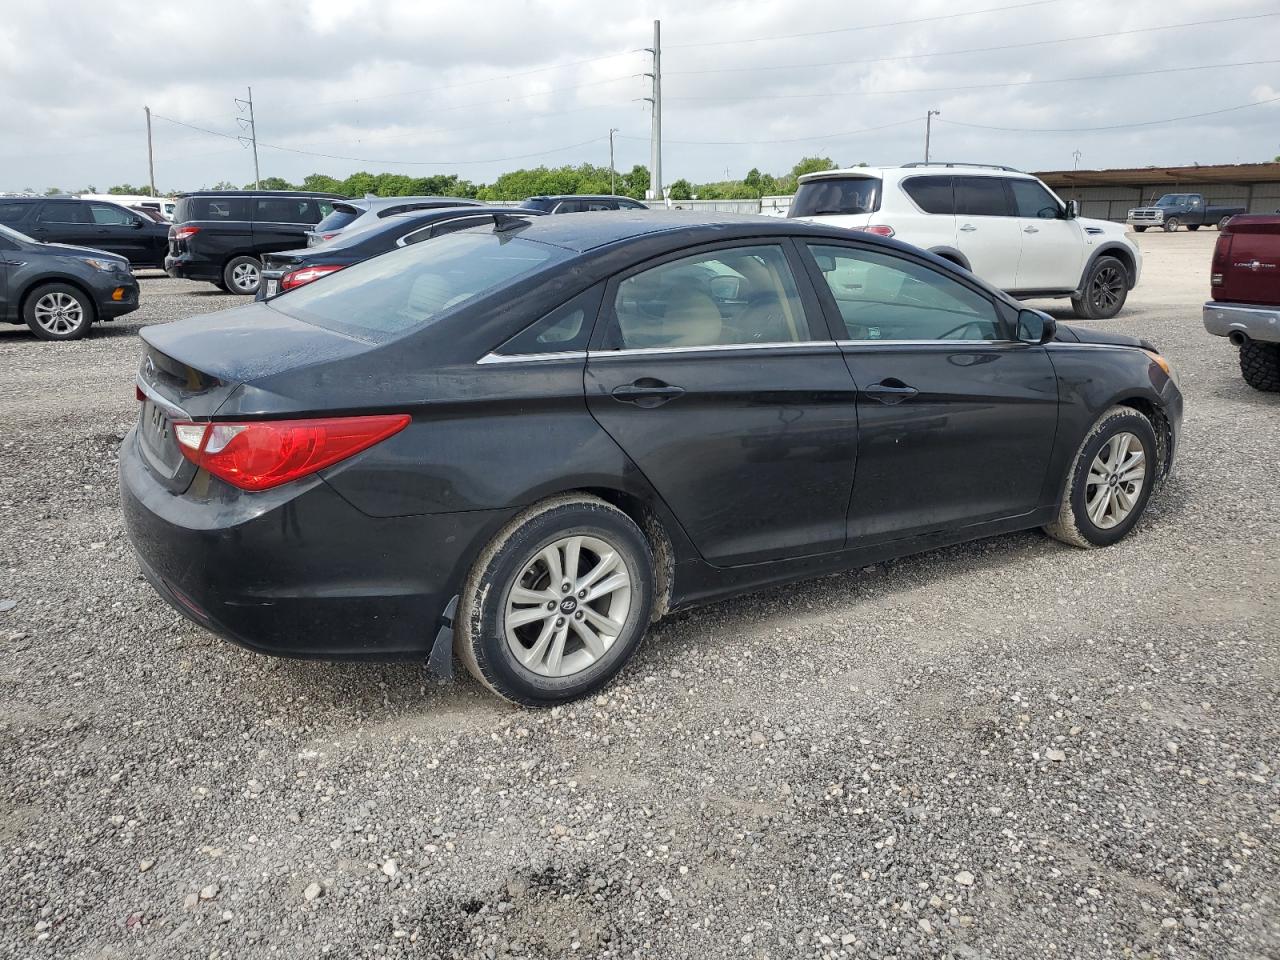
[418, 87]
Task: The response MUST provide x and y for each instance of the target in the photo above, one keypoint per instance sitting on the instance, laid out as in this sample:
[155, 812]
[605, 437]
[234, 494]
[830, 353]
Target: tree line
[527, 182]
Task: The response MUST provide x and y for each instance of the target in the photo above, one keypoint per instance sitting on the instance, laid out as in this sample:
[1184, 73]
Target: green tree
[52, 191]
[125, 189]
[681, 190]
[321, 183]
[812, 165]
[272, 183]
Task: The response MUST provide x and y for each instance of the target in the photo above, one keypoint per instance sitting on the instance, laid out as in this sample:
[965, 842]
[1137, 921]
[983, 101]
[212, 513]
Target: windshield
[830, 195]
[13, 234]
[1172, 200]
[410, 288]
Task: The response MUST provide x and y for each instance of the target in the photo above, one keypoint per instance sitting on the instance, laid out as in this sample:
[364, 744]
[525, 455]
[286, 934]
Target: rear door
[956, 420]
[713, 371]
[64, 221]
[282, 223]
[1052, 246]
[930, 221]
[987, 233]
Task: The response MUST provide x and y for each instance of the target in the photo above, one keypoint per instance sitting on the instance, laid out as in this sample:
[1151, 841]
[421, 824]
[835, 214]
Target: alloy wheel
[1115, 481]
[568, 606]
[1106, 288]
[245, 277]
[59, 313]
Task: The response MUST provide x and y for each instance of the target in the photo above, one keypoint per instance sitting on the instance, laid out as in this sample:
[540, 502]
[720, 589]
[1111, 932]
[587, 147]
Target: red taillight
[182, 233]
[261, 454]
[879, 229]
[298, 278]
[328, 236]
[1221, 260]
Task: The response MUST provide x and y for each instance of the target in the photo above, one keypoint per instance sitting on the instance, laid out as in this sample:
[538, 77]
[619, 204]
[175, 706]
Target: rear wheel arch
[654, 527]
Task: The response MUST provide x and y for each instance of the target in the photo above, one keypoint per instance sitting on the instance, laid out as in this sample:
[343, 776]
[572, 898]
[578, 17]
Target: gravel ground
[1005, 749]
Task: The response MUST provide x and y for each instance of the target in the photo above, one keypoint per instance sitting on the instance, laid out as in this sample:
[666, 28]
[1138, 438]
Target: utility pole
[151, 157]
[253, 135]
[928, 130]
[655, 144]
[1076, 155]
[612, 131]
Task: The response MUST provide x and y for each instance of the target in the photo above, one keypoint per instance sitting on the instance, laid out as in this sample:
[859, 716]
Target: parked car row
[329, 473]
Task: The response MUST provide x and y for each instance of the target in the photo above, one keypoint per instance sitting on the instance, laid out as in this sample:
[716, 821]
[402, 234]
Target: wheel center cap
[568, 605]
[1113, 479]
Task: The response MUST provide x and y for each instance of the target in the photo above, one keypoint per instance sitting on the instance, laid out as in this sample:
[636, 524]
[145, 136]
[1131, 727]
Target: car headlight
[105, 265]
[1164, 365]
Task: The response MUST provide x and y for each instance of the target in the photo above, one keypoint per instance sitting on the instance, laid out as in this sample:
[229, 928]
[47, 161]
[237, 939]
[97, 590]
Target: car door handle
[1030, 229]
[647, 392]
[890, 391]
[968, 228]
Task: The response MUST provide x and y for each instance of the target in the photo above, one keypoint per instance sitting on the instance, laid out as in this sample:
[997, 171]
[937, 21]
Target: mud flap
[440, 659]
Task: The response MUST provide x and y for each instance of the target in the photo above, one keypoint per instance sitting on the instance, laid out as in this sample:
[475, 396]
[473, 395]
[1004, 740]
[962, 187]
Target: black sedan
[290, 269]
[525, 441]
[60, 291]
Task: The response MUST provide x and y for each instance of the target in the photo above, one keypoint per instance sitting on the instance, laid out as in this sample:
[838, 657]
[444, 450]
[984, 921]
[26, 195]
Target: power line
[1114, 126]
[740, 143]
[868, 26]
[954, 53]
[987, 86]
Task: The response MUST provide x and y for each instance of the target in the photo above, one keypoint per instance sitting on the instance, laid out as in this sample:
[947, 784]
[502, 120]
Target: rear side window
[564, 329]
[1030, 199]
[343, 214]
[410, 288]
[836, 195]
[569, 206]
[931, 194]
[286, 210]
[213, 208]
[64, 211]
[981, 197]
[13, 212]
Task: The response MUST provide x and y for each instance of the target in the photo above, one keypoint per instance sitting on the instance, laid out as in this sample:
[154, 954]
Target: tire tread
[1260, 365]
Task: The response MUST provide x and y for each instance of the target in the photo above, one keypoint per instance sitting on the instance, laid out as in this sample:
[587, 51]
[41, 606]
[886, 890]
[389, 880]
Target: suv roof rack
[961, 163]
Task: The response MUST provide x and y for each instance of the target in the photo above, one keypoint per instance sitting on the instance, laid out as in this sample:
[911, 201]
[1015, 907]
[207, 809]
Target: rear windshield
[343, 214]
[213, 208]
[831, 195]
[410, 288]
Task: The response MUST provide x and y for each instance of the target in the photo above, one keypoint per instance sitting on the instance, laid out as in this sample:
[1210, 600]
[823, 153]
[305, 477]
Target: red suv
[1245, 284]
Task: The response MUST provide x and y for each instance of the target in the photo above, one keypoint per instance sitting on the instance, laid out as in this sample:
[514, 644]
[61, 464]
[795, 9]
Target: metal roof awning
[1144, 176]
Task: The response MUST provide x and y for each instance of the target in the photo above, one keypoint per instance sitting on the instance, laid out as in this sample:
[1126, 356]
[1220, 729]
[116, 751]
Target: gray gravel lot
[1005, 749]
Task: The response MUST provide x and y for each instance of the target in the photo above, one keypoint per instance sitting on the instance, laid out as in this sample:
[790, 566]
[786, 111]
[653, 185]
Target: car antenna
[508, 221]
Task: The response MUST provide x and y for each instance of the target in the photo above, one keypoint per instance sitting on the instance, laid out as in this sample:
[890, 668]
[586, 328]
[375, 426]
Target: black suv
[580, 203]
[105, 226]
[220, 235]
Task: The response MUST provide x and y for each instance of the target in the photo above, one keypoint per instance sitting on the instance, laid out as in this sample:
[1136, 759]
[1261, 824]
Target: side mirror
[1073, 209]
[1036, 327]
[136, 223]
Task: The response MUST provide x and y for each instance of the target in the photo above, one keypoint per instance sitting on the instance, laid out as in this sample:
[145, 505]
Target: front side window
[883, 297]
[109, 215]
[829, 196]
[742, 295]
[1030, 199]
[412, 287]
[981, 197]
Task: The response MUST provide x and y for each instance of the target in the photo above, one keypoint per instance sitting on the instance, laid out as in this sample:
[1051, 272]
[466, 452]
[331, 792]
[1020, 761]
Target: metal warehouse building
[1108, 194]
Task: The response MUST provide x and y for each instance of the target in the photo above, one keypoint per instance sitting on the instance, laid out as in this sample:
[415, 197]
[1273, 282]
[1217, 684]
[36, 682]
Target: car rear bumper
[181, 267]
[1250, 320]
[297, 571]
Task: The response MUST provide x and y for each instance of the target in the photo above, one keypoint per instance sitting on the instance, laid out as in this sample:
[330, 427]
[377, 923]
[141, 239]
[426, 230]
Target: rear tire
[242, 275]
[1139, 229]
[1171, 225]
[1105, 289]
[1260, 365]
[1096, 509]
[58, 311]
[1193, 227]
[530, 640]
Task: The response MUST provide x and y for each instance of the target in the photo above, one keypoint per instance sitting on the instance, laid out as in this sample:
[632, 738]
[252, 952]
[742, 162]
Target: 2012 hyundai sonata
[525, 441]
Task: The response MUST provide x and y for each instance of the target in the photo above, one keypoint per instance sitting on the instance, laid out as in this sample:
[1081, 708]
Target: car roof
[373, 203]
[912, 169]
[583, 232]
[580, 196]
[262, 193]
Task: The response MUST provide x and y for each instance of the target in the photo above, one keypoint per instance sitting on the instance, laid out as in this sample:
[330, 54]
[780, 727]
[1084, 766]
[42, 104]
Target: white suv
[1005, 226]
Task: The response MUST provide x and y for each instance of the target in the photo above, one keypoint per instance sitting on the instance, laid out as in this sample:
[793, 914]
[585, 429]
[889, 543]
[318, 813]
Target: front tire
[557, 603]
[1260, 365]
[1110, 481]
[1106, 287]
[1171, 225]
[58, 311]
[242, 275]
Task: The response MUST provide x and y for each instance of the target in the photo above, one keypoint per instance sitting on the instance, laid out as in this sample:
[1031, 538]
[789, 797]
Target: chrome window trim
[953, 343]
[533, 357]
[718, 348]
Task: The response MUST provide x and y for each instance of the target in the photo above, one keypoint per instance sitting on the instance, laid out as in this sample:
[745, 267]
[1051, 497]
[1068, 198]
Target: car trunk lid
[190, 368]
[1246, 261]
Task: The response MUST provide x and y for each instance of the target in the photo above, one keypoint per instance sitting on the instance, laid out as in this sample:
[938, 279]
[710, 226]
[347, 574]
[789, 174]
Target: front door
[1052, 246]
[956, 420]
[986, 232]
[713, 371]
[120, 231]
